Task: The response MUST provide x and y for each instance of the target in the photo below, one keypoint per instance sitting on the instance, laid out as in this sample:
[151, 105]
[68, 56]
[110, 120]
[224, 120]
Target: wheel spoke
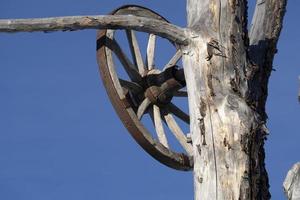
[150, 51]
[129, 67]
[129, 75]
[143, 107]
[180, 93]
[106, 40]
[173, 60]
[159, 126]
[135, 51]
[134, 87]
[180, 136]
[179, 113]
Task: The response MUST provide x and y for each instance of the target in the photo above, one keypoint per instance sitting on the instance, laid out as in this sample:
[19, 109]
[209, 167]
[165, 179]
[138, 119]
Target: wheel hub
[159, 86]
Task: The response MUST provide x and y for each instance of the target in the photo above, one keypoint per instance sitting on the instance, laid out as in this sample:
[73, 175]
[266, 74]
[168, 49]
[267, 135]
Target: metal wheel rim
[179, 161]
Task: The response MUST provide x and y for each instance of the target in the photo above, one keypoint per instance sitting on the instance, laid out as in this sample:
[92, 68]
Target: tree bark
[227, 76]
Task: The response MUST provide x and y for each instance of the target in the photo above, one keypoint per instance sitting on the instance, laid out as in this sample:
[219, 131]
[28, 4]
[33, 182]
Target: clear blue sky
[59, 135]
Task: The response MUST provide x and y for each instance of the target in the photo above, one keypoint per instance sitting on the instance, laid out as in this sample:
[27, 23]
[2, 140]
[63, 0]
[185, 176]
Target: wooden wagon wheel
[149, 91]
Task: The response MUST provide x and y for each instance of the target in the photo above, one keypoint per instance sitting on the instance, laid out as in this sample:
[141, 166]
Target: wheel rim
[149, 91]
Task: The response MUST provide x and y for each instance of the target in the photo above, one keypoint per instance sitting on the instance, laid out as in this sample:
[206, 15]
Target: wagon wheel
[149, 90]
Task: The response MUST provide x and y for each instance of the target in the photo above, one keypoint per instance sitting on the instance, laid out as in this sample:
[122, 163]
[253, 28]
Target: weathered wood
[173, 60]
[126, 101]
[266, 26]
[73, 23]
[111, 66]
[159, 126]
[143, 107]
[263, 36]
[216, 127]
[226, 74]
[176, 130]
[135, 51]
[130, 68]
[228, 130]
[291, 183]
[179, 113]
[151, 51]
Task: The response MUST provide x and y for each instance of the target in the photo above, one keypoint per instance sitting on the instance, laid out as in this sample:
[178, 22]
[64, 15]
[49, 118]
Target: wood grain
[151, 51]
[135, 51]
[73, 23]
[227, 90]
[180, 136]
[159, 126]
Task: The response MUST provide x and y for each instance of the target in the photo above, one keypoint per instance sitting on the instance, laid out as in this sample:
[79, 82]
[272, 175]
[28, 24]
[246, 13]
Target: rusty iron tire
[125, 109]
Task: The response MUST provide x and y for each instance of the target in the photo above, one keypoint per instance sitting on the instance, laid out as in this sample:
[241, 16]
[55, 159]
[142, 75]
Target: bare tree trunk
[227, 74]
[227, 84]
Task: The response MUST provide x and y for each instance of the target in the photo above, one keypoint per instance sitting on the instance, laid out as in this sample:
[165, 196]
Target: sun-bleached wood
[226, 100]
[227, 74]
[111, 66]
[135, 51]
[73, 23]
[267, 23]
[291, 183]
[159, 126]
[173, 60]
[143, 107]
[176, 130]
[178, 113]
[130, 68]
[263, 36]
[126, 101]
[151, 51]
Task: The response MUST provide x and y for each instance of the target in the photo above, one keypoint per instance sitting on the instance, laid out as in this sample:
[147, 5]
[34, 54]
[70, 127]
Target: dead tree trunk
[227, 74]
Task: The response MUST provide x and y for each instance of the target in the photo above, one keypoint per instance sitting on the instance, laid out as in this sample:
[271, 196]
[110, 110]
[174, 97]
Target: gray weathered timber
[142, 108]
[173, 60]
[159, 126]
[263, 37]
[226, 72]
[135, 51]
[291, 183]
[178, 133]
[151, 51]
[73, 23]
[227, 124]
